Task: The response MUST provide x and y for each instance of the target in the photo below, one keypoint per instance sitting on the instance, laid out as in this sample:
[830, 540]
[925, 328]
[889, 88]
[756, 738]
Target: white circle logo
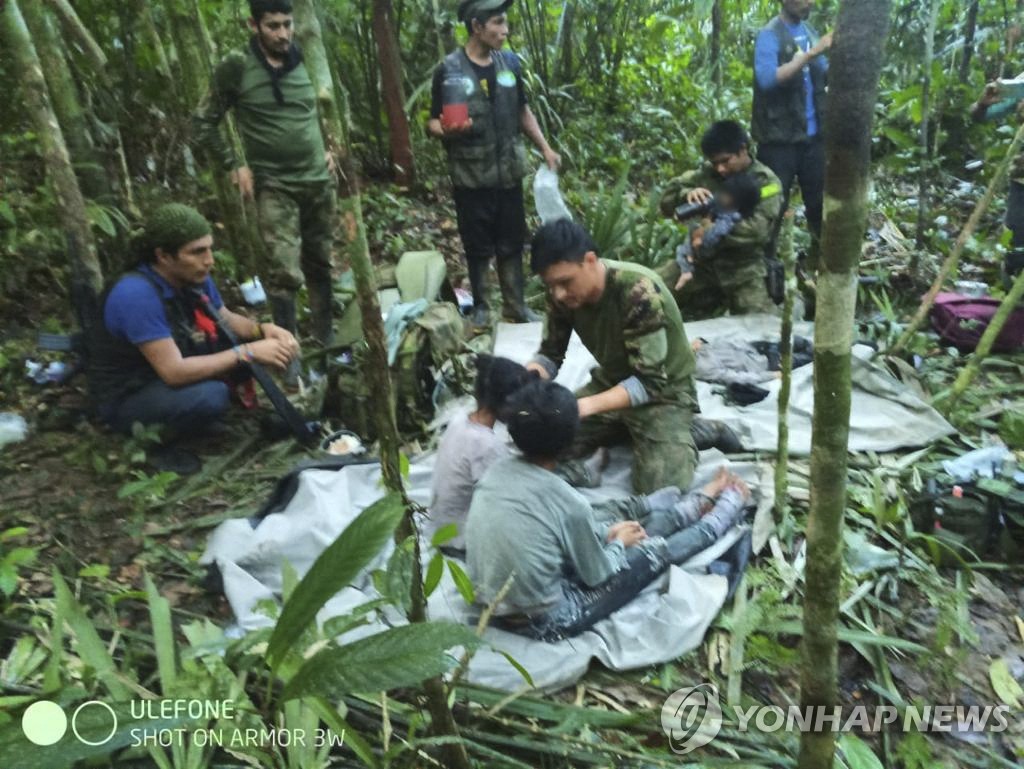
[83, 706]
[691, 717]
[44, 722]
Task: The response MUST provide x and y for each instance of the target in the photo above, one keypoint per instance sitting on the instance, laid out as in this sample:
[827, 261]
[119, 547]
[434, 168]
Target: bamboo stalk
[76, 29]
[786, 255]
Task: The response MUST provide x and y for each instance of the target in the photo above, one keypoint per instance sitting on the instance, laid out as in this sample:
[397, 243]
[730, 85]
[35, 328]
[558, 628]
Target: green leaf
[336, 567]
[857, 754]
[398, 657]
[99, 570]
[1004, 684]
[516, 664]
[91, 648]
[163, 636]
[446, 533]
[462, 582]
[11, 533]
[434, 571]
[7, 213]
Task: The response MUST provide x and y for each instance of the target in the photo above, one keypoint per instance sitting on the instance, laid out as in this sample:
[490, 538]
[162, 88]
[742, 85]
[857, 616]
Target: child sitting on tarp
[536, 542]
[469, 446]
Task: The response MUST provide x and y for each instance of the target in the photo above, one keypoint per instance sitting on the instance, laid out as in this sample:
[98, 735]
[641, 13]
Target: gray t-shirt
[466, 450]
[527, 521]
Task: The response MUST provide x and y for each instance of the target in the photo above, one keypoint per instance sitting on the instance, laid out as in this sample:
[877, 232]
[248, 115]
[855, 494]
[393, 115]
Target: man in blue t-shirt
[790, 72]
[157, 358]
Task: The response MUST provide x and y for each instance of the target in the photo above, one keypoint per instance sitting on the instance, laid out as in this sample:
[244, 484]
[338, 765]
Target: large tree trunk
[716, 45]
[86, 274]
[66, 104]
[856, 61]
[399, 141]
[375, 369]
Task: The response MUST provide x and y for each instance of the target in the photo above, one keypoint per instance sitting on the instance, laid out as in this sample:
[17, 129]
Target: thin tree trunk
[399, 141]
[949, 266]
[86, 274]
[924, 172]
[564, 42]
[970, 30]
[716, 45]
[438, 25]
[968, 372]
[856, 62]
[144, 15]
[76, 30]
[786, 256]
[66, 104]
[375, 369]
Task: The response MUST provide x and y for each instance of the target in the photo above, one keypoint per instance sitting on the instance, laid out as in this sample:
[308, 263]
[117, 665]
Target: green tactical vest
[491, 155]
[779, 115]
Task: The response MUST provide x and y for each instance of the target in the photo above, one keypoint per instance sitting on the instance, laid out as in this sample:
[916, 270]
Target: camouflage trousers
[297, 226]
[720, 285]
[663, 450]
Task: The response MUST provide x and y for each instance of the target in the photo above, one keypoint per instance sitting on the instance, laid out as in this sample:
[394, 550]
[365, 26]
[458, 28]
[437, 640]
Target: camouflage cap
[173, 225]
[477, 9]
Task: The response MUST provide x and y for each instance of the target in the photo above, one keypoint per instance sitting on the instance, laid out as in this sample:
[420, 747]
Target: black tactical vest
[780, 114]
[116, 366]
[491, 155]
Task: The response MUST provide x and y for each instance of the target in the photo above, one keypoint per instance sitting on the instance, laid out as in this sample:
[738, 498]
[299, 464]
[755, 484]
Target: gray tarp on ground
[885, 414]
[665, 622]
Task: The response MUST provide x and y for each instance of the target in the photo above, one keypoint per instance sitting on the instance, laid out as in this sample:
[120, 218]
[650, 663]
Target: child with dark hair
[735, 201]
[469, 445]
[560, 566]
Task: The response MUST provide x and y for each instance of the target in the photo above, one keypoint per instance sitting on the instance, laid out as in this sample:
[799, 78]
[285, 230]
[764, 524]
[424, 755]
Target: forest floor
[914, 633]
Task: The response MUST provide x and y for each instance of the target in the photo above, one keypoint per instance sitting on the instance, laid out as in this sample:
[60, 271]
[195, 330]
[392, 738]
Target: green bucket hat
[478, 9]
[173, 225]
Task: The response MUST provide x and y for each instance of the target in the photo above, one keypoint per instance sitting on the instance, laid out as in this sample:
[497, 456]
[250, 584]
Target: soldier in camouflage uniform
[731, 275]
[288, 169]
[642, 391]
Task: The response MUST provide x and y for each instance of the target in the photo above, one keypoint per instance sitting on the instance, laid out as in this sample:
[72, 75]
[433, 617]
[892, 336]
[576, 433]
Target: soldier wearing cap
[486, 157]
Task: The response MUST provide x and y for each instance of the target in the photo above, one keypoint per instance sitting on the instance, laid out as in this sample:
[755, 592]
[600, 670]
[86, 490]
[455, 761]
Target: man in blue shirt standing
[790, 71]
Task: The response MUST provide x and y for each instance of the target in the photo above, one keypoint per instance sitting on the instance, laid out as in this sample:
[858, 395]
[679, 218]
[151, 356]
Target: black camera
[690, 210]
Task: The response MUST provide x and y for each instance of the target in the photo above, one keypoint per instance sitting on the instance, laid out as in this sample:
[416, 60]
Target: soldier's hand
[242, 177]
[457, 129]
[272, 331]
[990, 95]
[699, 195]
[553, 159]
[271, 352]
[823, 44]
[685, 278]
[629, 533]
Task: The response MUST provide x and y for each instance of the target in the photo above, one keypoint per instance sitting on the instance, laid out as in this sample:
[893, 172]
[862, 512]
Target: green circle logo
[44, 722]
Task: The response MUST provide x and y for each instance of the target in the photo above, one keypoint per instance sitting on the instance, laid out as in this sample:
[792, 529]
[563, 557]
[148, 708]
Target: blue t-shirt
[766, 61]
[135, 311]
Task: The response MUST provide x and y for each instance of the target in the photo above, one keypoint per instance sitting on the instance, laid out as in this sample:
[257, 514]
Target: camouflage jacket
[634, 331]
[750, 238]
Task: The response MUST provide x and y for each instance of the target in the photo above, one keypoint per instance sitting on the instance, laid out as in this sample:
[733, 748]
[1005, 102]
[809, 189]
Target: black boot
[477, 269]
[712, 434]
[321, 310]
[282, 306]
[510, 278]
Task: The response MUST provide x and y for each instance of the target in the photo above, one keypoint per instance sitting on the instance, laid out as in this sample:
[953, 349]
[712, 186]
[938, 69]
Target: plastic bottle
[454, 104]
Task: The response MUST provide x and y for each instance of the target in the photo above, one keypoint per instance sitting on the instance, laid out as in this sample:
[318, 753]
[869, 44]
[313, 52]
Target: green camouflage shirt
[750, 237]
[282, 142]
[633, 330]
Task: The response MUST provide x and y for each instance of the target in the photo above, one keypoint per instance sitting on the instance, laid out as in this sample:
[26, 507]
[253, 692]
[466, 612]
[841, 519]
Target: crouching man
[157, 357]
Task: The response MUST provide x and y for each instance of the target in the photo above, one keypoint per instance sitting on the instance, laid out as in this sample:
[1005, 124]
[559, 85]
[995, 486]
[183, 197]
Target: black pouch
[968, 526]
[775, 279]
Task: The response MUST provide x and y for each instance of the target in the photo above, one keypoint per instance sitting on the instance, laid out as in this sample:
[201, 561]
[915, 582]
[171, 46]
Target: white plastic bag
[547, 198]
[13, 428]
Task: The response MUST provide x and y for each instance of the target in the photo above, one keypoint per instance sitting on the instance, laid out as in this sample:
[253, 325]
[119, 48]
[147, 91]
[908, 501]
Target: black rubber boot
[477, 269]
[510, 278]
[283, 309]
[712, 434]
[321, 310]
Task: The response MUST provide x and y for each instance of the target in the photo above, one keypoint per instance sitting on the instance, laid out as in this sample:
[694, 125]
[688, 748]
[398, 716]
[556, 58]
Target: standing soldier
[486, 157]
[790, 72]
[287, 167]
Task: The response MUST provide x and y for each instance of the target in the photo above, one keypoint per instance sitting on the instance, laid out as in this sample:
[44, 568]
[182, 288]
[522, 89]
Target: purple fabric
[961, 320]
